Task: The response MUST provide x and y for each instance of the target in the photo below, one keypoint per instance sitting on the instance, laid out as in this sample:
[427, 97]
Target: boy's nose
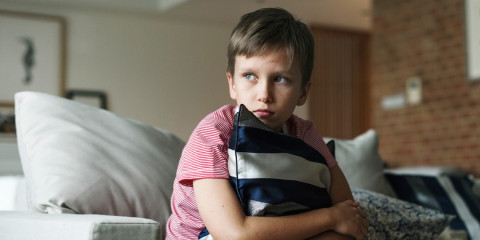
[264, 93]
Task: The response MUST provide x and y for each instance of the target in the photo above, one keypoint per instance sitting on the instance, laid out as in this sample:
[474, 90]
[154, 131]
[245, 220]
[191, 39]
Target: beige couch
[90, 174]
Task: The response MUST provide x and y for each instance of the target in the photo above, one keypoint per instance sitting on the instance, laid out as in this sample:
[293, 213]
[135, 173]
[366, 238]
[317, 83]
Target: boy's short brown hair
[272, 29]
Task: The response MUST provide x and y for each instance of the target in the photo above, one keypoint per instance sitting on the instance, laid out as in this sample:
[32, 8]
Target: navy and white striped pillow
[274, 174]
[451, 194]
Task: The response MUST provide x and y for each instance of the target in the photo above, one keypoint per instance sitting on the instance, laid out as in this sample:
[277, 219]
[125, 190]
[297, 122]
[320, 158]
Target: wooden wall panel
[339, 99]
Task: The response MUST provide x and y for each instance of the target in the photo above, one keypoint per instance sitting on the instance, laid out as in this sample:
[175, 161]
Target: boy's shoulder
[300, 127]
[298, 121]
[222, 116]
[223, 111]
[226, 112]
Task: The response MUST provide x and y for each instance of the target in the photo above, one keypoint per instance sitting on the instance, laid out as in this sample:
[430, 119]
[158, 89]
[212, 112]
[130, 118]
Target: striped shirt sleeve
[206, 152]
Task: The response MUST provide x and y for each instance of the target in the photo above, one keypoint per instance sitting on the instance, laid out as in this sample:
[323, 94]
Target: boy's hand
[349, 219]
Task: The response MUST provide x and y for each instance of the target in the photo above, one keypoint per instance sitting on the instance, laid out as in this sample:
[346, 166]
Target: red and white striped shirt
[205, 156]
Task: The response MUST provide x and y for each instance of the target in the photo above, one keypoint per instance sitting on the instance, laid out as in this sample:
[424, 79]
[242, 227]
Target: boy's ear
[303, 98]
[231, 87]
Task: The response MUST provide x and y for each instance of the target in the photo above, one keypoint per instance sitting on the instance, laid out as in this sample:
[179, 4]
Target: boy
[270, 59]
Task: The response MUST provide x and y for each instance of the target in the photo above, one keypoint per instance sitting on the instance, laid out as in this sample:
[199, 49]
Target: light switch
[414, 90]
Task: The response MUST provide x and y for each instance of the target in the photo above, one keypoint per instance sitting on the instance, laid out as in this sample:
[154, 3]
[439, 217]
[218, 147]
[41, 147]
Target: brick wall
[424, 38]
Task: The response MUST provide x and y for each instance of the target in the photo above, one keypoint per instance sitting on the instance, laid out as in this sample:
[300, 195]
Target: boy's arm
[222, 214]
[339, 192]
[339, 188]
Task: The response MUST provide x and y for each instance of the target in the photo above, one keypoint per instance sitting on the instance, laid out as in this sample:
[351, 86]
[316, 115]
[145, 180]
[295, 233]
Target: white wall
[165, 72]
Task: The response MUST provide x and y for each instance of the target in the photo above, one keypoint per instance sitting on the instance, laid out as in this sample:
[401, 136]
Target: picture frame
[32, 54]
[472, 36]
[89, 97]
[7, 123]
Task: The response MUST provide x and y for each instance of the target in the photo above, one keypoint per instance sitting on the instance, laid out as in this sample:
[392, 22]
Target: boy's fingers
[363, 214]
[352, 203]
[365, 233]
[362, 234]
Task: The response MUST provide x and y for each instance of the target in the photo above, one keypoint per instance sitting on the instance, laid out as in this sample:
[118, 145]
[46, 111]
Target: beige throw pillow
[361, 163]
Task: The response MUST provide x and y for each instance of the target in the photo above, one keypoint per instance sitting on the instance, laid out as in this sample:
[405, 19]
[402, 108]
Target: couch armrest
[30, 225]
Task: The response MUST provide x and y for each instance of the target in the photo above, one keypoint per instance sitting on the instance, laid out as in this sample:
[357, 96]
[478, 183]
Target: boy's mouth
[263, 112]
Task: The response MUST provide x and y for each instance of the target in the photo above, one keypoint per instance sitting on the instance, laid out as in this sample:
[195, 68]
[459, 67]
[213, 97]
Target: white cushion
[361, 163]
[81, 159]
[28, 226]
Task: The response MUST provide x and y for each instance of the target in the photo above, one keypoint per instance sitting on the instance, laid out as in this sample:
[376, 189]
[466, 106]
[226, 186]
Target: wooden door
[339, 97]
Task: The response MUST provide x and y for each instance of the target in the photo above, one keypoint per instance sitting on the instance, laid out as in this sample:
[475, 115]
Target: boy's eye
[281, 79]
[250, 76]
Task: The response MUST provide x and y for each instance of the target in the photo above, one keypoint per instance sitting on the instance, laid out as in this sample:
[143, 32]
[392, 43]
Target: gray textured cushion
[391, 218]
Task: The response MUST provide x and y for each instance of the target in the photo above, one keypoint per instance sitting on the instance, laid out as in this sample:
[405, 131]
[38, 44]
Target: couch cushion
[361, 163]
[442, 188]
[28, 225]
[391, 218]
[81, 159]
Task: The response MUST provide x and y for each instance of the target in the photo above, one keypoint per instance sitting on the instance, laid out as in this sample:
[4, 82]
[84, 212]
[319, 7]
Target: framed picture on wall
[32, 54]
[7, 122]
[89, 97]
[472, 30]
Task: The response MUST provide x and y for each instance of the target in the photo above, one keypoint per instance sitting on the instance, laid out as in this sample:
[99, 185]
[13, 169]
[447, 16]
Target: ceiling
[343, 13]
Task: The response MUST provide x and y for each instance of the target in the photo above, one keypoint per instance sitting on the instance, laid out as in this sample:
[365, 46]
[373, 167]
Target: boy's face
[268, 86]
